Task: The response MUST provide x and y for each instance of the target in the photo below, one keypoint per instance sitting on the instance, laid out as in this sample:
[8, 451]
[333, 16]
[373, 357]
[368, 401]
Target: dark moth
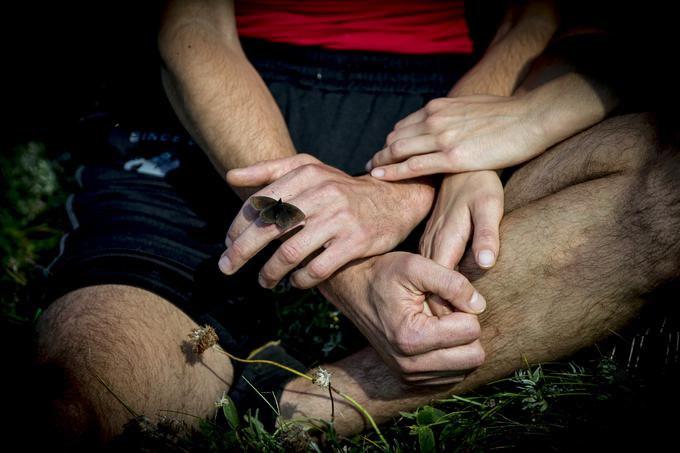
[285, 215]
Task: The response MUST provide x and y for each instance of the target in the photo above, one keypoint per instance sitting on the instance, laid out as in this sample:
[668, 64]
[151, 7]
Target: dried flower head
[203, 338]
[223, 401]
[322, 377]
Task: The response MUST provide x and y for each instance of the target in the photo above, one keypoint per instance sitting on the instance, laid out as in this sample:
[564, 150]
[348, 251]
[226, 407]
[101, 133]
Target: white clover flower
[223, 401]
[322, 377]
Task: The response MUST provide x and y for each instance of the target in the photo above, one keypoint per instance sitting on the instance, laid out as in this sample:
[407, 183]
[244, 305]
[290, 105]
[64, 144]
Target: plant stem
[364, 412]
[268, 362]
[123, 403]
[358, 406]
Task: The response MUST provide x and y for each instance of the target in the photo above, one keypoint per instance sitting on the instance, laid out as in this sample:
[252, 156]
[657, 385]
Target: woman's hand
[452, 135]
[468, 205]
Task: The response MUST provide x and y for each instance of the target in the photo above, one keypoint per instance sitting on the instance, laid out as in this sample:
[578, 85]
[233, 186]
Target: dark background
[66, 59]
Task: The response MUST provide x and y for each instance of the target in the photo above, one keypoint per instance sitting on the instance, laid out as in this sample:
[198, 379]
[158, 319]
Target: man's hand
[468, 204]
[384, 296]
[346, 217]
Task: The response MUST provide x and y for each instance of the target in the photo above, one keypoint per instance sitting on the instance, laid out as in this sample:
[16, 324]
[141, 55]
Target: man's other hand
[385, 298]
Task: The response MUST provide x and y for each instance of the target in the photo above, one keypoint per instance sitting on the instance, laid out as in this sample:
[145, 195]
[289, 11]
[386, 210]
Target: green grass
[31, 222]
[608, 391]
[532, 410]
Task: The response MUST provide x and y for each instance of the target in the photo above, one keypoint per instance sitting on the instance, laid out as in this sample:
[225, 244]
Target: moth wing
[261, 203]
[288, 215]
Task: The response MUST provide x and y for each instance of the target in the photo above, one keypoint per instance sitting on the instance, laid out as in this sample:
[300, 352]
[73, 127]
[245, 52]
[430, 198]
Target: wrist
[347, 284]
[417, 194]
[564, 107]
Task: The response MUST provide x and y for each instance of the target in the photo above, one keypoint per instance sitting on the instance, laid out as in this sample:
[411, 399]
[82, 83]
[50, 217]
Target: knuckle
[487, 234]
[407, 379]
[406, 367]
[310, 170]
[267, 275]
[290, 252]
[333, 189]
[398, 148]
[411, 262]
[478, 357]
[453, 236]
[414, 164]
[305, 157]
[490, 199]
[445, 139]
[299, 281]
[319, 270]
[407, 341]
[472, 329]
[455, 284]
[434, 123]
[452, 153]
[379, 158]
[434, 105]
[237, 251]
[345, 216]
[360, 236]
[401, 345]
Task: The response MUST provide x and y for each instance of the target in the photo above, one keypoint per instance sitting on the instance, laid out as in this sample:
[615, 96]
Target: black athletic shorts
[152, 212]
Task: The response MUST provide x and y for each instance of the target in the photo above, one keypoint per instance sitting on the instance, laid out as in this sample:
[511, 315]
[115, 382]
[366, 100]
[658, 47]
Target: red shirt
[399, 26]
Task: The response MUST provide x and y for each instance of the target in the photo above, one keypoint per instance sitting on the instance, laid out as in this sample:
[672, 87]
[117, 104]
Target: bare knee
[65, 345]
[118, 352]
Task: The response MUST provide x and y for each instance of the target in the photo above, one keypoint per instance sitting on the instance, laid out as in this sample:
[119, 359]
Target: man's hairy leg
[592, 226]
[136, 344]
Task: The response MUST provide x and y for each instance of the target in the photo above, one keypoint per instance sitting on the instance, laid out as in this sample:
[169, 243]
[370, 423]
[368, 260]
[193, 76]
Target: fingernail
[261, 281]
[486, 258]
[225, 264]
[227, 242]
[369, 165]
[477, 302]
[378, 173]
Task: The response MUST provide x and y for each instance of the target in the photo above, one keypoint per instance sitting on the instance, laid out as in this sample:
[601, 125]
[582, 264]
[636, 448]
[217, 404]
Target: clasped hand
[385, 298]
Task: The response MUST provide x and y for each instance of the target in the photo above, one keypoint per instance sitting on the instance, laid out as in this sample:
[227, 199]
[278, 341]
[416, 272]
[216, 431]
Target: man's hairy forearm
[217, 94]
